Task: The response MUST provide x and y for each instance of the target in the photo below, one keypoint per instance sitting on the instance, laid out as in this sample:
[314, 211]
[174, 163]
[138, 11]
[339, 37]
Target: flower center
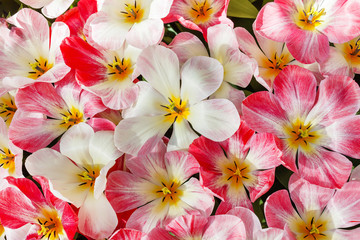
[38, 68]
[314, 231]
[351, 51]
[301, 135]
[237, 172]
[169, 192]
[176, 110]
[50, 224]
[88, 177]
[309, 18]
[7, 108]
[119, 70]
[200, 11]
[277, 63]
[133, 13]
[71, 117]
[7, 160]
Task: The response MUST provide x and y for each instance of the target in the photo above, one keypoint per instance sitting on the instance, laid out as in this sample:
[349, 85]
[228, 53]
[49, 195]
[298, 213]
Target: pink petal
[308, 197]
[295, 88]
[338, 97]
[278, 210]
[123, 187]
[345, 136]
[186, 45]
[181, 165]
[188, 226]
[264, 181]
[127, 234]
[225, 227]
[324, 168]
[262, 112]
[344, 207]
[251, 221]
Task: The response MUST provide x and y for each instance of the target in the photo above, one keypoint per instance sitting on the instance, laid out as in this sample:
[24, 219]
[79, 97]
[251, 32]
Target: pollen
[177, 109]
[276, 63]
[7, 160]
[119, 69]
[310, 17]
[2, 229]
[50, 225]
[132, 13]
[311, 228]
[236, 172]
[71, 117]
[351, 51]
[302, 135]
[87, 178]
[38, 68]
[201, 12]
[169, 192]
[7, 108]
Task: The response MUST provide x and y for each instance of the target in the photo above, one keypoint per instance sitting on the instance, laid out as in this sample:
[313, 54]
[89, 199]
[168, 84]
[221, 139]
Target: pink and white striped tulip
[307, 26]
[309, 122]
[160, 187]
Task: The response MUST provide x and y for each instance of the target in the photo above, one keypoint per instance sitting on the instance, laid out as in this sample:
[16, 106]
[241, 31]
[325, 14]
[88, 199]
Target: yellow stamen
[133, 13]
[176, 110]
[7, 108]
[309, 18]
[50, 224]
[200, 12]
[39, 67]
[7, 160]
[120, 69]
[88, 177]
[71, 117]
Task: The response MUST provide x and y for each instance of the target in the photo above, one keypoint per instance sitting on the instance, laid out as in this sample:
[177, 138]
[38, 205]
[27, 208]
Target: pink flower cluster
[110, 131]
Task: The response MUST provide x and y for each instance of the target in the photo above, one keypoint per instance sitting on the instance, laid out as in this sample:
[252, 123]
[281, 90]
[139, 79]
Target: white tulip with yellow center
[165, 100]
[78, 175]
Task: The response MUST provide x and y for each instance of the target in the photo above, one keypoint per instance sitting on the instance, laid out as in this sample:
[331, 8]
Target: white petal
[140, 134]
[97, 219]
[160, 67]
[182, 136]
[200, 77]
[216, 119]
[75, 143]
[62, 174]
[102, 149]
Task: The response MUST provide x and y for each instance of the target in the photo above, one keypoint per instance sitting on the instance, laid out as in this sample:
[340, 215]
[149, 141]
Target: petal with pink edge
[146, 33]
[200, 77]
[207, 118]
[186, 45]
[62, 174]
[75, 144]
[345, 136]
[160, 67]
[127, 191]
[56, 7]
[187, 226]
[339, 96]
[308, 197]
[139, 135]
[127, 234]
[224, 227]
[97, 219]
[181, 165]
[251, 221]
[344, 207]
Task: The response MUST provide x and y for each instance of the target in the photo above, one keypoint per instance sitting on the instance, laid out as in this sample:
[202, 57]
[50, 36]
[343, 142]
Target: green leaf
[242, 9]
